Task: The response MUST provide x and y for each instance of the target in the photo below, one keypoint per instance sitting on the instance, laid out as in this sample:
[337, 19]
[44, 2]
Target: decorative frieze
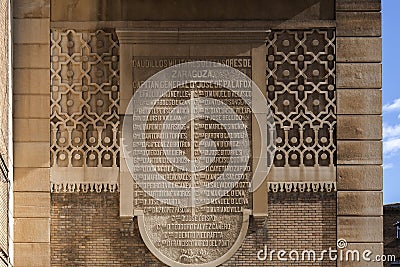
[302, 187]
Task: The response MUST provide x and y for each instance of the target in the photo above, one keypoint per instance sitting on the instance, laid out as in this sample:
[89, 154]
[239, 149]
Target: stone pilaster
[31, 22]
[359, 134]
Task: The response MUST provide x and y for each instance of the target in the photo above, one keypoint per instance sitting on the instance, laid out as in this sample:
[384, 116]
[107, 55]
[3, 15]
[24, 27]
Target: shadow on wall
[183, 10]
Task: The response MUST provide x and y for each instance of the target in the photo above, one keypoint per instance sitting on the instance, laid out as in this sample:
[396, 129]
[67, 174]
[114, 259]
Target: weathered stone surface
[31, 204]
[360, 203]
[31, 31]
[359, 101]
[359, 152]
[358, 5]
[31, 130]
[359, 49]
[359, 75]
[31, 81]
[37, 254]
[359, 127]
[360, 229]
[363, 249]
[358, 24]
[32, 179]
[31, 8]
[27, 230]
[32, 106]
[359, 177]
[31, 154]
[32, 56]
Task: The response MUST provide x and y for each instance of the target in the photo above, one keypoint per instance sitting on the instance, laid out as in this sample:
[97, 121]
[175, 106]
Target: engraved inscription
[197, 234]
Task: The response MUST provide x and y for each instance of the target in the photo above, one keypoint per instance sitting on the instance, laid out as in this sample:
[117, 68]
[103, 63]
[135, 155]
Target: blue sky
[391, 100]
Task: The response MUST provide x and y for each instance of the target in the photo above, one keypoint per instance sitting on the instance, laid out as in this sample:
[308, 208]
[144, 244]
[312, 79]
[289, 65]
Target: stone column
[31, 97]
[359, 130]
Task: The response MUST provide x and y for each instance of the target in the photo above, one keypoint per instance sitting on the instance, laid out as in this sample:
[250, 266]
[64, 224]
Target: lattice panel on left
[84, 108]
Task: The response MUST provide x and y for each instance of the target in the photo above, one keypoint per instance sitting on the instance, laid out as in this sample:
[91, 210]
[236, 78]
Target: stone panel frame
[359, 132]
[359, 172]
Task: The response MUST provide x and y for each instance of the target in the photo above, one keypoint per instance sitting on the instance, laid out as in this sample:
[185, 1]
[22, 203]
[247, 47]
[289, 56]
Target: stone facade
[87, 220]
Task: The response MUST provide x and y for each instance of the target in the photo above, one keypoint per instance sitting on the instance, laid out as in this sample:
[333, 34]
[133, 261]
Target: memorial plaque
[207, 230]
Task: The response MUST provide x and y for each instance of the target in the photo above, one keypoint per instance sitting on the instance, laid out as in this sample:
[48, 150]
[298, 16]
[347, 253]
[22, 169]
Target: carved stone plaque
[177, 233]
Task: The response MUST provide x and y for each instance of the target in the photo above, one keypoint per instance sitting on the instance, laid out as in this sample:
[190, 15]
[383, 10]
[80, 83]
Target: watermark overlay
[182, 82]
[340, 253]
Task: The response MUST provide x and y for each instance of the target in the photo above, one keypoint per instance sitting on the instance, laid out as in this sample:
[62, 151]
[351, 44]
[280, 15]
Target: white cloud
[387, 166]
[391, 146]
[391, 131]
[393, 106]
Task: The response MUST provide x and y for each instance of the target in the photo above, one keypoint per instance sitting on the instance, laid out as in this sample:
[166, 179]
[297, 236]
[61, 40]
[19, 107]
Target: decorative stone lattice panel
[302, 94]
[84, 110]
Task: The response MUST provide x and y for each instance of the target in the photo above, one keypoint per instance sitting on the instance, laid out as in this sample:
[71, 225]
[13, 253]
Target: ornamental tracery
[84, 108]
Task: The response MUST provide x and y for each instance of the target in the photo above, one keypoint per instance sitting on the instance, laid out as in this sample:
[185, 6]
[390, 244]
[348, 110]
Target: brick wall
[86, 231]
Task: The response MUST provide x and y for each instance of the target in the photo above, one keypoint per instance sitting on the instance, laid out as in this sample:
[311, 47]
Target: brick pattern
[86, 230]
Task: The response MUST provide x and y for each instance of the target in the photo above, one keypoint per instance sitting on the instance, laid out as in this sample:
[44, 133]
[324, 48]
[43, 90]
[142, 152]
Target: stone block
[32, 106]
[358, 5]
[358, 24]
[29, 154]
[359, 101]
[31, 9]
[360, 203]
[36, 254]
[359, 177]
[32, 56]
[31, 230]
[359, 127]
[360, 229]
[363, 250]
[31, 31]
[359, 75]
[359, 152]
[359, 49]
[31, 204]
[32, 179]
[31, 81]
[31, 130]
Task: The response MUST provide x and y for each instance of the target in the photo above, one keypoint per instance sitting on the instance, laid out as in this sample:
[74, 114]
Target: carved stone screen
[84, 110]
[202, 234]
[302, 95]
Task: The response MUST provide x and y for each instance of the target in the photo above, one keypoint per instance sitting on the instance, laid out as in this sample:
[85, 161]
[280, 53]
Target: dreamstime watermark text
[339, 253]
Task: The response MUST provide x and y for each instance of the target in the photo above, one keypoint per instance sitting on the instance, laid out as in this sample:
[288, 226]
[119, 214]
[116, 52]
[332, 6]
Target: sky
[391, 100]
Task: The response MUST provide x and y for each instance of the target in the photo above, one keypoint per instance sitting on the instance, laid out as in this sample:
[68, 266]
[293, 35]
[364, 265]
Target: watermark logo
[342, 254]
[184, 81]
